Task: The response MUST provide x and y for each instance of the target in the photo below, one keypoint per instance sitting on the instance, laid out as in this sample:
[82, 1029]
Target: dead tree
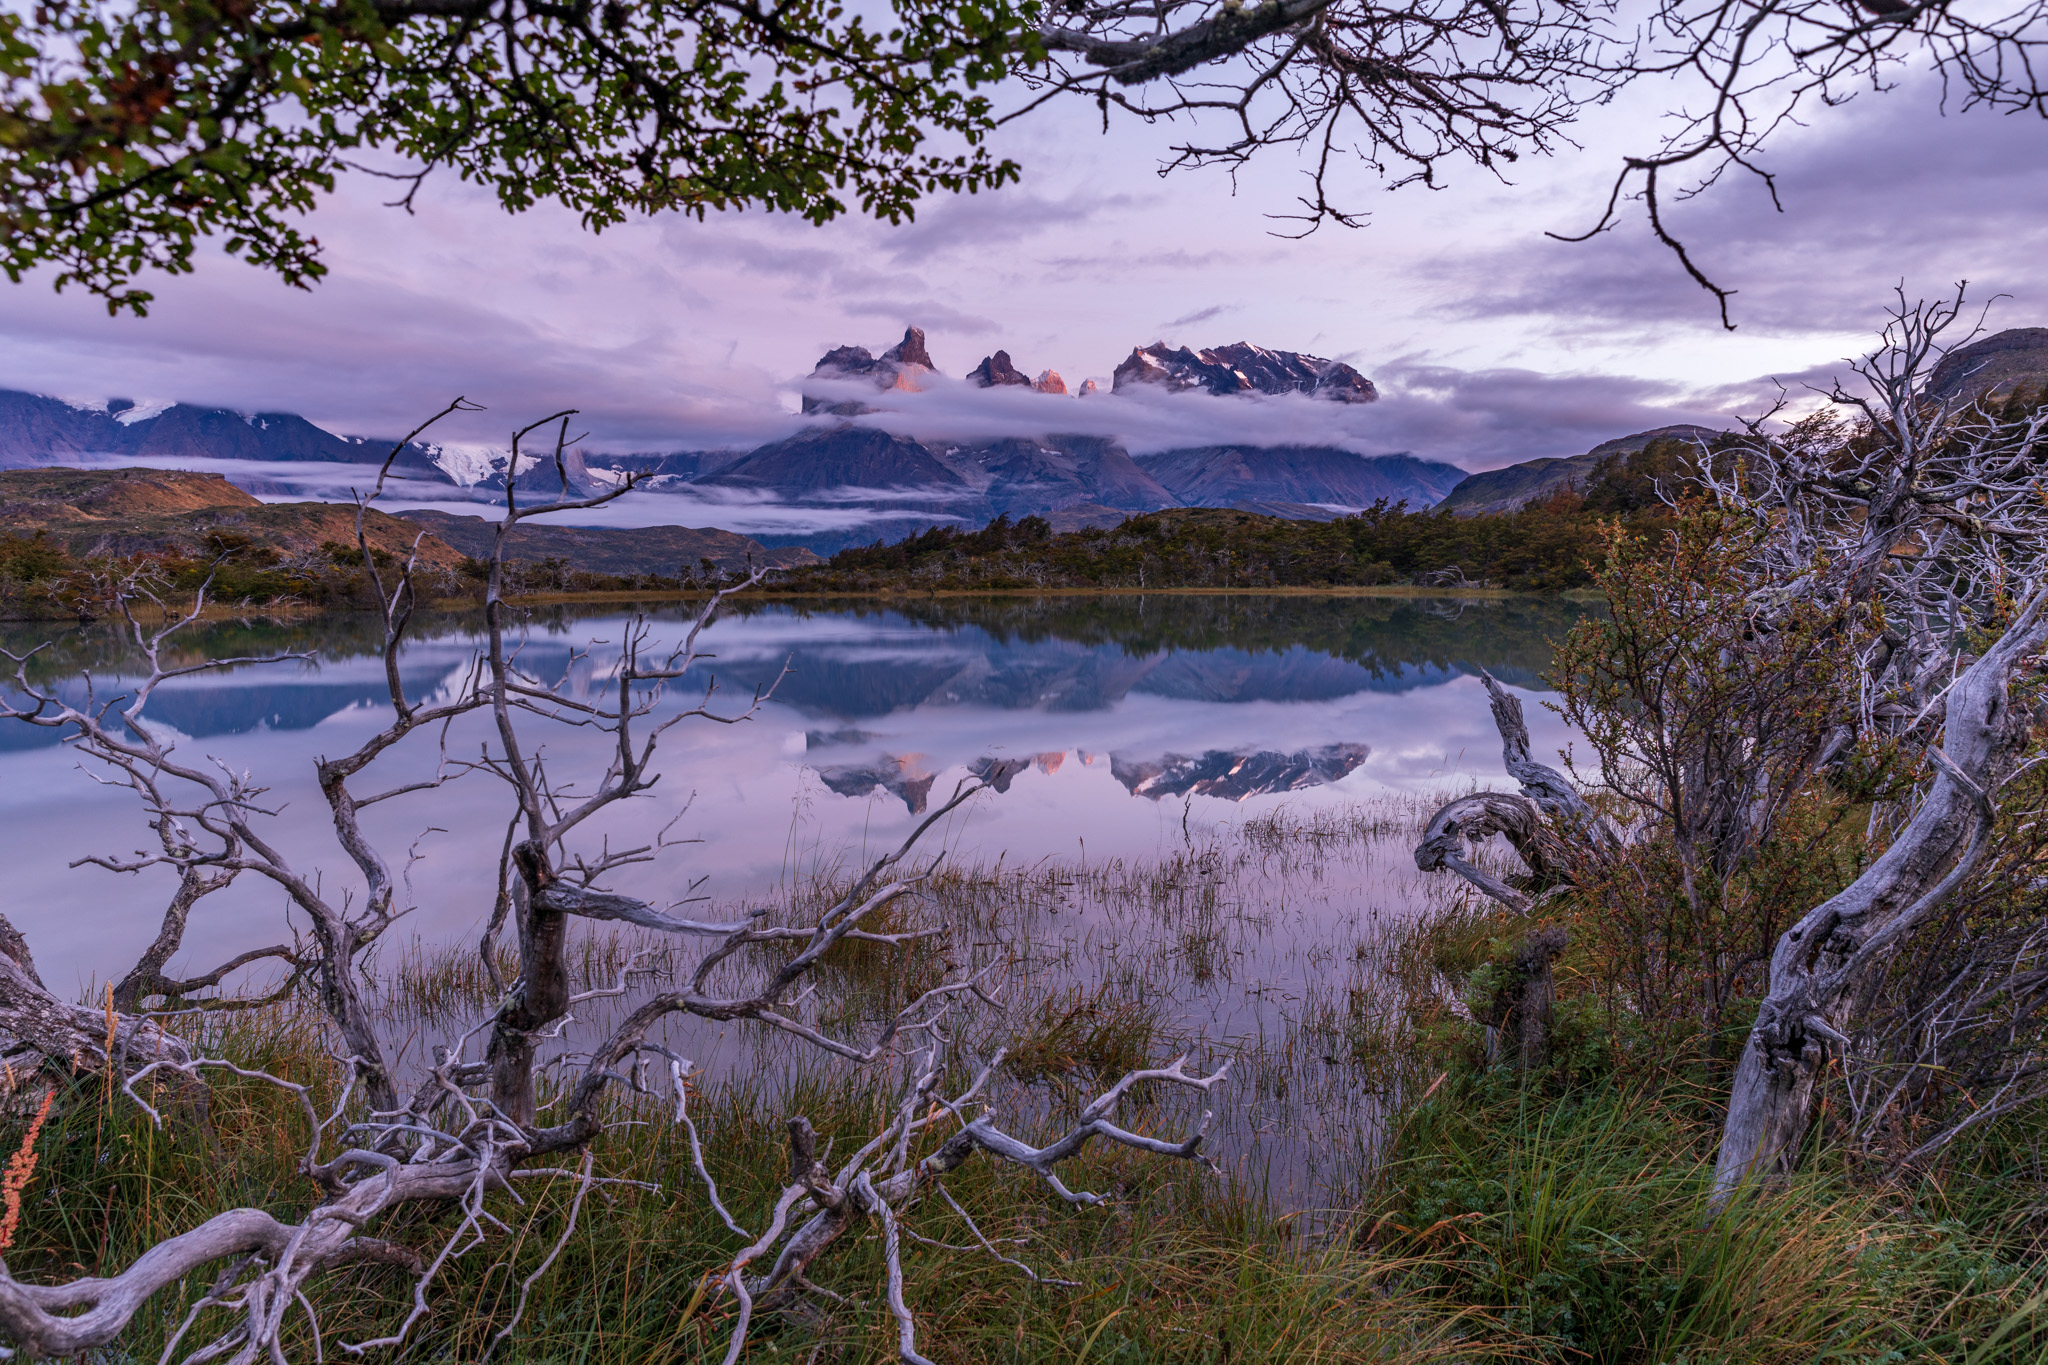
[465, 1125]
[1821, 960]
[1933, 517]
[1917, 532]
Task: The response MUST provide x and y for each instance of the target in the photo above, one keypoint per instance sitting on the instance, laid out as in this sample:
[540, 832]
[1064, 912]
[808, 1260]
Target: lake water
[1207, 845]
[1147, 723]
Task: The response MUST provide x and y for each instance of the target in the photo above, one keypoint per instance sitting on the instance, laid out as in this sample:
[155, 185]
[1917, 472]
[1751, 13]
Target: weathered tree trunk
[77, 1036]
[1533, 1013]
[1453, 829]
[1547, 798]
[1818, 962]
[540, 995]
[15, 947]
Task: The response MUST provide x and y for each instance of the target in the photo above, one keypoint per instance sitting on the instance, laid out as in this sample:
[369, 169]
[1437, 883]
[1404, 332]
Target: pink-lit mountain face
[896, 368]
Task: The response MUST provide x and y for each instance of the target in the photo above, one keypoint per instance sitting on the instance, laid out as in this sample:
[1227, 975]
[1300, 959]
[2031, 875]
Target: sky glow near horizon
[1490, 343]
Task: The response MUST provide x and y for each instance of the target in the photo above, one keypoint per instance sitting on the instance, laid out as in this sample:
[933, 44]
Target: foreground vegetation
[1505, 1214]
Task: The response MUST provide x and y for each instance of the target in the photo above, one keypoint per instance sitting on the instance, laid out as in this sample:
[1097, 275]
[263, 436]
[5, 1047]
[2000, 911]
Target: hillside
[122, 512]
[1221, 476]
[1538, 549]
[664, 550]
[1519, 485]
[1996, 365]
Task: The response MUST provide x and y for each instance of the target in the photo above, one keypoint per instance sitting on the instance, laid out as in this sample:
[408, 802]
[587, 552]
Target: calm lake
[1149, 723]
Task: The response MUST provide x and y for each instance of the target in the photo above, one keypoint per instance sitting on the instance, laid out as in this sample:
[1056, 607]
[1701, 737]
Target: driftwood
[1538, 821]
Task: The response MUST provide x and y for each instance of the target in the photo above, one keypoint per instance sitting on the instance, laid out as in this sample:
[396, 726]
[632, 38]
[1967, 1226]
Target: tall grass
[1388, 1194]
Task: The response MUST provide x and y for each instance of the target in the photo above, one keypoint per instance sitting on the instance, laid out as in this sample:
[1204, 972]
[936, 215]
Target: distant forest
[1545, 547]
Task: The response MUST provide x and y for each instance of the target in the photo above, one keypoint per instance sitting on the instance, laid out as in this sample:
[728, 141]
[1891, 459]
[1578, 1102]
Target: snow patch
[144, 409]
[468, 465]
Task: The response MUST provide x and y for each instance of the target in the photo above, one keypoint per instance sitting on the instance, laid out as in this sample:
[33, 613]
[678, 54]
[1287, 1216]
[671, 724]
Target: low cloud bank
[288, 480]
[1475, 419]
[749, 514]
[761, 517]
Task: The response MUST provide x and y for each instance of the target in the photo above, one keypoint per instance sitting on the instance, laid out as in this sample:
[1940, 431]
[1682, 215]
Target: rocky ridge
[1242, 368]
[1992, 367]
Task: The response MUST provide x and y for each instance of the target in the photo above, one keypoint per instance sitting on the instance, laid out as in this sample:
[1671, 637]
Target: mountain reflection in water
[1113, 726]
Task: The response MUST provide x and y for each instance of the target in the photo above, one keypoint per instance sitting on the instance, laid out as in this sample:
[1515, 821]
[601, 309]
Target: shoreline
[928, 594]
[296, 611]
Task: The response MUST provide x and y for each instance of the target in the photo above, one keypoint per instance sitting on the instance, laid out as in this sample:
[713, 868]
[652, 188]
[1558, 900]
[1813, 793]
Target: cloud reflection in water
[1121, 724]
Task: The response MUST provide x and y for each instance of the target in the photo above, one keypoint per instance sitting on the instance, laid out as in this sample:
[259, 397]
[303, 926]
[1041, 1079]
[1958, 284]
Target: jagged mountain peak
[1243, 368]
[1239, 368]
[896, 368]
[997, 370]
[910, 350]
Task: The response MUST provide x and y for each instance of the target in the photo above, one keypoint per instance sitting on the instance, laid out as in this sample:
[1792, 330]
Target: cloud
[925, 313]
[292, 480]
[975, 223]
[1477, 419]
[1203, 315]
[1956, 197]
[361, 374]
[695, 508]
[1503, 416]
[1490, 342]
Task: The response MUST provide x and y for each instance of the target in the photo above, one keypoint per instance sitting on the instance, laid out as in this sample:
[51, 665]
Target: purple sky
[1491, 343]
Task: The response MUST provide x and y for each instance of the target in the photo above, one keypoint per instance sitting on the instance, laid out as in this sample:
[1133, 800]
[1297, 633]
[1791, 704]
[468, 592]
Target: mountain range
[1073, 480]
[890, 484]
[868, 483]
[36, 431]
